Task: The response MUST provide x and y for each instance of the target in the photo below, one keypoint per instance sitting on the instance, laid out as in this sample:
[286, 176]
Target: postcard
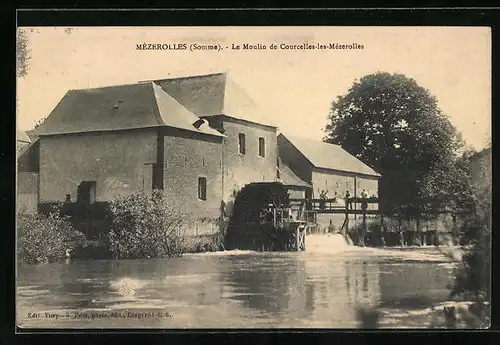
[253, 177]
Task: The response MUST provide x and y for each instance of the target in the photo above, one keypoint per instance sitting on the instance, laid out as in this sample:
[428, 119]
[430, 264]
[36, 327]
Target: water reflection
[254, 290]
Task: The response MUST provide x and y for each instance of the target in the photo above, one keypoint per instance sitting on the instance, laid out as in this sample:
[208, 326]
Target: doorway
[87, 192]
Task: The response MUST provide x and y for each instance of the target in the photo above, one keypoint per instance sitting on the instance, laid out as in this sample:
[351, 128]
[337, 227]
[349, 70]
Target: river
[319, 288]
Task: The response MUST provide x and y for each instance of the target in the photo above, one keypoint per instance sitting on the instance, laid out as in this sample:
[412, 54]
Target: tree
[22, 57]
[22, 53]
[395, 126]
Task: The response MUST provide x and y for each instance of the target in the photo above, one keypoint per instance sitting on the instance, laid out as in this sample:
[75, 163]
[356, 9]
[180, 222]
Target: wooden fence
[406, 231]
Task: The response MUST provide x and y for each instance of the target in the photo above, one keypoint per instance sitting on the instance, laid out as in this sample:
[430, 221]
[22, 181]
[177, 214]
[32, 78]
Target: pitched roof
[22, 136]
[483, 152]
[329, 156]
[21, 147]
[32, 134]
[119, 107]
[290, 178]
[214, 94]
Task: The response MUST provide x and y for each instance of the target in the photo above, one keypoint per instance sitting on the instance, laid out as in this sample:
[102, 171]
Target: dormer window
[198, 123]
[117, 104]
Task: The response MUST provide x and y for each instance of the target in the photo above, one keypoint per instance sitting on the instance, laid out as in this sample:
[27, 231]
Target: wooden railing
[338, 205]
[282, 216]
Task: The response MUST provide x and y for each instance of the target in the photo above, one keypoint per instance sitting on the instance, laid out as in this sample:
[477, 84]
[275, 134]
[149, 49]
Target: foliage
[472, 280]
[22, 53]
[45, 238]
[473, 275]
[143, 226]
[390, 225]
[396, 127]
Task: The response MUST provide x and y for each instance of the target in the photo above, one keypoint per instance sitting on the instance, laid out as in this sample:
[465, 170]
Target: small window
[202, 188]
[262, 147]
[241, 143]
[203, 162]
[337, 184]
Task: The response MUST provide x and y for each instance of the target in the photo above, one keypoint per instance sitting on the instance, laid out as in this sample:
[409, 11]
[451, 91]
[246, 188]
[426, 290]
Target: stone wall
[117, 161]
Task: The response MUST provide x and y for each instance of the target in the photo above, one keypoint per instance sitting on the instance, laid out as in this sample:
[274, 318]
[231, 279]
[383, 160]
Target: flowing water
[319, 288]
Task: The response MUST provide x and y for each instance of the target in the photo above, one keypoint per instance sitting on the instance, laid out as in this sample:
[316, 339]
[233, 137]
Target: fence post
[418, 232]
[382, 230]
[346, 221]
[363, 230]
[454, 229]
[400, 232]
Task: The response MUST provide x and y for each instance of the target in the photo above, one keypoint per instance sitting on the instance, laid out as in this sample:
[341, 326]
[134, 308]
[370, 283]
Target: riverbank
[445, 315]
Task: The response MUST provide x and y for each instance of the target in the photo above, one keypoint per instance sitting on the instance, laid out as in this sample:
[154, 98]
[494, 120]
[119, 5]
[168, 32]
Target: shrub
[390, 225]
[45, 238]
[143, 226]
[472, 278]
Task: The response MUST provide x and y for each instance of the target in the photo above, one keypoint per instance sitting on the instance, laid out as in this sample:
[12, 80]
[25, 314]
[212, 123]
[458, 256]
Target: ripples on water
[319, 288]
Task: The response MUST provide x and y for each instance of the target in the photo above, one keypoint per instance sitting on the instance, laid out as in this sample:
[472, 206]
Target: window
[262, 147]
[241, 144]
[86, 192]
[202, 188]
[337, 184]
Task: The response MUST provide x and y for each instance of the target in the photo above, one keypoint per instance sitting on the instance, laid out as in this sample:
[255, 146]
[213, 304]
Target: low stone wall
[201, 227]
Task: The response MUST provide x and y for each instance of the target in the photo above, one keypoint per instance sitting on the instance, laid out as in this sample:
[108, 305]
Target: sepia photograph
[273, 177]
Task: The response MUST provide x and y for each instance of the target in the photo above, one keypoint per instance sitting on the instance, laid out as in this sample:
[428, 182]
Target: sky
[296, 87]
